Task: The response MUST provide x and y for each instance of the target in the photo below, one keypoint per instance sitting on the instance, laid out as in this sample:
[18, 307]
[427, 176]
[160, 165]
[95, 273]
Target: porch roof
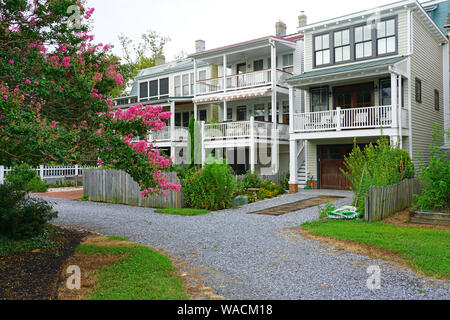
[346, 71]
[234, 95]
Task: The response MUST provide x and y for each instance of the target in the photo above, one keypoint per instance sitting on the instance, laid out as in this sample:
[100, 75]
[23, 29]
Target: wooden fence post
[2, 174]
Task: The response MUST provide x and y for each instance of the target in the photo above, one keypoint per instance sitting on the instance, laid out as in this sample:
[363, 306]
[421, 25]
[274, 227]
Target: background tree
[55, 87]
[140, 56]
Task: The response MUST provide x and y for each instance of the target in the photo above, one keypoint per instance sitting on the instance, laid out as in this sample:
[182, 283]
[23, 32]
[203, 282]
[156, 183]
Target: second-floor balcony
[241, 81]
[349, 119]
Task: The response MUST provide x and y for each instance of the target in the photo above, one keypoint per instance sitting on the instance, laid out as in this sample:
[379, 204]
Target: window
[418, 90]
[154, 89]
[288, 60]
[229, 114]
[259, 112]
[285, 106]
[143, 91]
[164, 87]
[185, 83]
[385, 92]
[186, 118]
[258, 65]
[322, 49]
[386, 39]
[177, 86]
[202, 115]
[178, 119]
[436, 100]
[342, 45]
[319, 99]
[363, 41]
[192, 83]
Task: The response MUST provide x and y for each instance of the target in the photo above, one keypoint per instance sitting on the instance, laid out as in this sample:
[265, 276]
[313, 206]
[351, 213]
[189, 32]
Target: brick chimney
[302, 19]
[280, 29]
[160, 59]
[199, 45]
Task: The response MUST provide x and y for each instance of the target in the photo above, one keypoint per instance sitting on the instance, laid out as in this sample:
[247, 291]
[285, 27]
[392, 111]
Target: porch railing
[244, 129]
[180, 134]
[355, 118]
[241, 81]
[48, 172]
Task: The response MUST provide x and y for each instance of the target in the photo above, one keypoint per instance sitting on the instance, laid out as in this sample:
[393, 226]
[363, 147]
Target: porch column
[172, 129]
[195, 111]
[395, 140]
[273, 59]
[293, 165]
[225, 110]
[203, 143]
[291, 109]
[394, 99]
[252, 144]
[400, 99]
[195, 78]
[225, 73]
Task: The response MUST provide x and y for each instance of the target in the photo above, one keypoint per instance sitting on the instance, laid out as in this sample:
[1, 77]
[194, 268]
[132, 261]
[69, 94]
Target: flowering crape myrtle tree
[54, 106]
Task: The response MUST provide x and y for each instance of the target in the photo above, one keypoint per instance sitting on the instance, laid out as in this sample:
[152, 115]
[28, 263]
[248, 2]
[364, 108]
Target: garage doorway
[331, 160]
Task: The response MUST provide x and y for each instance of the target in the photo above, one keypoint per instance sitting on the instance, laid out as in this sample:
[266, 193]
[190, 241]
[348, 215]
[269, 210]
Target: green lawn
[427, 250]
[183, 211]
[140, 273]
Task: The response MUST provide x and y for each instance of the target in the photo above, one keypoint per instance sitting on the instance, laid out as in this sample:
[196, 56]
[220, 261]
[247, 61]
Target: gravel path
[249, 256]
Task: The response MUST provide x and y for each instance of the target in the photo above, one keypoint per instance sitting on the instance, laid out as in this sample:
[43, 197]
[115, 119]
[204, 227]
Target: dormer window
[342, 46]
[386, 37]
[322, 49]
[363, 42]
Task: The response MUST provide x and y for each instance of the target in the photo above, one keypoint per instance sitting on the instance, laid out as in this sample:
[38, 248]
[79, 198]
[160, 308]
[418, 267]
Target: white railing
[180, 134]
[48, 172]
[241, 81]
[244, 129]
[355, 118]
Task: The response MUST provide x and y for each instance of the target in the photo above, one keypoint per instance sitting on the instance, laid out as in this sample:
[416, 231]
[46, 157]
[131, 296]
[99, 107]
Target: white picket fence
[48, 172]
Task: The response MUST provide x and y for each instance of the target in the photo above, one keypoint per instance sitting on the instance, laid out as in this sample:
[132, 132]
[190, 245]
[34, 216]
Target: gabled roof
[347, 68]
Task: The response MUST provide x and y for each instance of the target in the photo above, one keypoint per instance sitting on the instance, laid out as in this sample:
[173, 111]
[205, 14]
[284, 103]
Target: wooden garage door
[331, 159]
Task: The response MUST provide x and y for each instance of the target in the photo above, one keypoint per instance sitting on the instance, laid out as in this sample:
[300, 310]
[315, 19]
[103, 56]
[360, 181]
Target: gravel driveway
[249, 256]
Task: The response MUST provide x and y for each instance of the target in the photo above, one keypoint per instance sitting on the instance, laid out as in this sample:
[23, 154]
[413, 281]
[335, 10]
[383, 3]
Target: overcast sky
[217, 22]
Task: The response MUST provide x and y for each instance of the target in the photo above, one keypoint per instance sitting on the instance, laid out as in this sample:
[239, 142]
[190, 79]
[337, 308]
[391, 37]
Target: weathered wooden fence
[116, 186]
[381, 202]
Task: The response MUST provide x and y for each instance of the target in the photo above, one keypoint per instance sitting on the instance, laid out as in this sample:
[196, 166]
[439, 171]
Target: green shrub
[36, 185]
[435, 178]
[21, 176]
[252, 180]
[21, 216]
[285, 181]
[275, 189]
[323, 211]
[376, 165]
[264, 194]
[212, 187]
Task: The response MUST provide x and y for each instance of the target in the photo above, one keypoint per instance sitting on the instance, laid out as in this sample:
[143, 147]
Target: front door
[354, 96]
[241, 113]
[331, 160]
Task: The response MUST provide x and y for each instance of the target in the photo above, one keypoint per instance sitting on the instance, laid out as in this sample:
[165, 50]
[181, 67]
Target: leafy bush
[276, 189]
[252, 180]
[21, 176]
[435, 178]
[285, 181]
[21, 216]
[36, 185]
[323, 211]
[264, 194]
[376, 165]
[212, 187]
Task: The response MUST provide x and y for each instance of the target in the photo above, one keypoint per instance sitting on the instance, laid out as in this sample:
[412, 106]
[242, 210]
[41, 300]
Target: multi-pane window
[202, 115]
[319, 99]
[288, 60]
[164, 88]
[143, 91]
[386, 37]
[385, 92]
[178, 119]
[342, 45]
[363, 41]
[154, 89]
[258, 65]
[185, 84]
[177, 86]
[322, 49]
[259, 112]
[436, 100]
[418, 90]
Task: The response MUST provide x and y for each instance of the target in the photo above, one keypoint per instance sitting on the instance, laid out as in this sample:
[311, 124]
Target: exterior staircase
[301, 176]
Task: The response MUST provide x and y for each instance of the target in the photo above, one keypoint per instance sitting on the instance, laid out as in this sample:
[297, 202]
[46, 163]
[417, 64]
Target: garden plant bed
[403, 219]
[33, 273]
[298, 205]
[72, 194]
[433, 218]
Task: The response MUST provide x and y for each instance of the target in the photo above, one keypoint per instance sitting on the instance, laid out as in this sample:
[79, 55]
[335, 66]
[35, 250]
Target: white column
[41, 171]
[172, 120]
[195, 111]
[338, 119]
[273, 57]
[399, 117]
[293, 165]
[291, 109]
[225, 110]
[252, 144]
[76, 170]
[225, 73]
[394, 99]
[203, 143]
[195, 78]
